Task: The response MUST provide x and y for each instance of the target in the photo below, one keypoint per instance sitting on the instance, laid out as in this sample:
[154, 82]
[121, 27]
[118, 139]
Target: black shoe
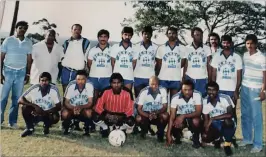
[217, 144]
[27, 132]
[228, 150]
[234, 142]
[66, 132]
[46, 130]
[135, 130]
[105, 133]
[76, 127]
[178, 141]
[160, 138]
[87, 134]
[196, 144]
[143, 136]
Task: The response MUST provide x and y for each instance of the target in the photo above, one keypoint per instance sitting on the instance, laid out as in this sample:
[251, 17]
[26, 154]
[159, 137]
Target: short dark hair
[252, 37]
[171, 28]
[22, 23]
[127, 30]
[47, 75]
[226, 38]
[103, 31]
[82, 72]
[188, 83]
[147, 29]
[76, 24]
[116, 76]
[212, 84]
[196, 29]
[213, 34]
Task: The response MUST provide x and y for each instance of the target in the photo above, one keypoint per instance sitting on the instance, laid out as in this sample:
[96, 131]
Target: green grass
[55, 144]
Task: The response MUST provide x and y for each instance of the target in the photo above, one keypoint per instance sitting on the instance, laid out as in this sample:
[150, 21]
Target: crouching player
[186, 107]
[152, 108]
[41, 102]
[218, 118]
[78, 102]
[114, 107]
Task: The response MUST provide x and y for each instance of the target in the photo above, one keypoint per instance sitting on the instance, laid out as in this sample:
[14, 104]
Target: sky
[93, 15]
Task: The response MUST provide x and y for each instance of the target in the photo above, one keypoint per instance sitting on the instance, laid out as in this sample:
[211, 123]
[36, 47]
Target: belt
[71, 69]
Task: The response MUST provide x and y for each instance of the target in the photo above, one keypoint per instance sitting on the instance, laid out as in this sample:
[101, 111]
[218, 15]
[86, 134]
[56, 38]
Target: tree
[230, 17]
[44, 25]
[15, 17]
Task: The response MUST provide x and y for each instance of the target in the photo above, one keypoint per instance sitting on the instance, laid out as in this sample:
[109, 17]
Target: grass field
[56, 144]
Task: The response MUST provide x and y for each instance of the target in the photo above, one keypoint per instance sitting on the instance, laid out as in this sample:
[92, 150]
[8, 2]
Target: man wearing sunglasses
[16, 59]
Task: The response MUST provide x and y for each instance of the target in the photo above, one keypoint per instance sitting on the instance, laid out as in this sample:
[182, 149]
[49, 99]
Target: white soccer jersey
[197, 61]
[184, 107]
[77, 98]
[254, 65]
[227, 70]
[221, 107]
[101, 62]
[149, 103]
[171, 61]
[145, 58]
[34, 95]
[123, 60]
[43, 61]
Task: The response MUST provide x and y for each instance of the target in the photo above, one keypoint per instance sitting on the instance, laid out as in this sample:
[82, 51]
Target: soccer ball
[117, 138]
[187, 135]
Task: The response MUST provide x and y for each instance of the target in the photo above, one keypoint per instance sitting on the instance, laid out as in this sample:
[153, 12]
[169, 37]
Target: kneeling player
[152, 108]
[41, 102]
[78, 102]
[114, 106]
[218, 118]
[186, 109]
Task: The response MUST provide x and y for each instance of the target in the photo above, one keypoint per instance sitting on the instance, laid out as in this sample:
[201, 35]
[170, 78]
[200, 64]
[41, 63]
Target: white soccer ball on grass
[117, 138]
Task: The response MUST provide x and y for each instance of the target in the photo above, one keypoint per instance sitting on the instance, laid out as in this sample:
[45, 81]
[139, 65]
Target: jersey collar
[200, 45]
[129, 44]
[45, 92]
[77, 87]
[231, 52]
[98, 46]
[217, 99]
[150, 91]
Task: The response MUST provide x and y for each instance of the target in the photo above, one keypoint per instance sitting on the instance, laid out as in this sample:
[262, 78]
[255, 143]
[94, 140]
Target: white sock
[101, 124]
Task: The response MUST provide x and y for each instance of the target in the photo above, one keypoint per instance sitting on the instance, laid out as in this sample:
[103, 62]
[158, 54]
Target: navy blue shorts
[199, 84]
[68, 75]
[141, 81]
[229, 93]
[100, 83]
[128, 82]
[170, 84]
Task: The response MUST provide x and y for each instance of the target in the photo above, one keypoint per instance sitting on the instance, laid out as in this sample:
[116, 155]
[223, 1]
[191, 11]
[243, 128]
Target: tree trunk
[15, 16]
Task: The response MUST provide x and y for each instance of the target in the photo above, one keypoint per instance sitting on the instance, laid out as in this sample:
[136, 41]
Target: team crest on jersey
[102, 59]
[147, 58]
[227, 69]
[187, 108]
[216, 112]
[80, 99]
[197, 59]
[172, 58]
[125, 58]
[44, 104]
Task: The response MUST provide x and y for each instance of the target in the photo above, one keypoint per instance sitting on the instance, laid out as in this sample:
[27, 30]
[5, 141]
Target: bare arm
[88, 105]
[209, 68]
[24, 101]
[171, 121]
[68, 105]
[113, 63]
[56, 108]
[29, 62]
[3, 55]
[141, 112]
[134, 64]
[226, 115]
[89, 64]
[158, 66]
[197, 113]
[185, 69]
[214, 74]
[162, 110]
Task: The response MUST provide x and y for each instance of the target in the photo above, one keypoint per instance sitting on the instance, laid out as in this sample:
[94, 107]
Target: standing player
[218, 118]
[46, 56]
[253, 91]
[197, 68]
[152, 108]
[214, 43]
[78, 102]
[186, 107]
[122, 57]
[41, 102]
[169, 61]
[16, 59]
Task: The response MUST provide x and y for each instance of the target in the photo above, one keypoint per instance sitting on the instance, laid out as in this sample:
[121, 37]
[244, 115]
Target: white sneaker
[255, 150]
[14, 126]
[243, 144]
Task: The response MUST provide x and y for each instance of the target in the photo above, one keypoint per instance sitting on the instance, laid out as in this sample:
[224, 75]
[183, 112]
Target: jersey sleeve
[239, 63]
[113, 51]
[208, 51]
[67, 94]
[29, 92]
[160, 53]
[198, 99]
[136, 51]
[141, 98]
[90, 55]
[164, 96]
[55, 94]
[205, 107]
[90, 89]
[174, 102]
[214, 63]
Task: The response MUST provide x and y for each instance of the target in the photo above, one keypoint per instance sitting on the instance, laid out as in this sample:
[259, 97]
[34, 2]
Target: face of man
[172, 35]
[116, 85]
[226, 45]
[146, 37]
[126, 37]
[76, 31]
[44, 82]
[251, 46]
[81, 80]
[153, 83]
[187, 91]
[103, 39]
[21, 30]
[213, 41]
[50, 37]
[212, 92]
[197, 36]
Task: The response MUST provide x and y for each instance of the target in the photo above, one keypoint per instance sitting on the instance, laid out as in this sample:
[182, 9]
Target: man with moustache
[170, 58]
[214, 43]
[122, 57]
[16, 59]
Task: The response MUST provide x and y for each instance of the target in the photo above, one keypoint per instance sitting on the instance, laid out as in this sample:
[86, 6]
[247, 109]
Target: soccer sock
[101, 124]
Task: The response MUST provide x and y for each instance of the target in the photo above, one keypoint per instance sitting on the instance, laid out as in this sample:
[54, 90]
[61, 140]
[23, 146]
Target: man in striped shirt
[252, 94]
[115, 106]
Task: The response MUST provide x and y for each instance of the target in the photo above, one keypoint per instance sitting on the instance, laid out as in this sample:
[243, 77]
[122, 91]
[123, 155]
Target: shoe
[87, 134]
[243, 144]
[77, 128]
[92, 130]
[14, 126]
[255, 150]
[143, 136]
[105, 133]
[196, 144]
[27, 132]
[228, 150]
[217, 144]
[160, 138]
[66, 131]
[135, 130]
[234, 142]
[46, 130]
